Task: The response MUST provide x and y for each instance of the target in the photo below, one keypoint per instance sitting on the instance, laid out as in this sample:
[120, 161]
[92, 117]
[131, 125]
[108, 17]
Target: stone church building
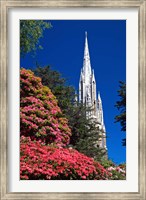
[89, 97]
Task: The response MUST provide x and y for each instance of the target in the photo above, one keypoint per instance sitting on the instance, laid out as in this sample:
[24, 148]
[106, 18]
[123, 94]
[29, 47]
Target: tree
[30, 33]
[65, 95]
[121, 106]
[86, 134]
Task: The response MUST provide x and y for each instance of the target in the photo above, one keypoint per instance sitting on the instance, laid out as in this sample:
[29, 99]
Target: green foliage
[107, 163]
[117, 175]
[77, 122]
[121, 106]
[89, 135]
[85, 132]
[52, 79]
[30, 33]
[118, 171]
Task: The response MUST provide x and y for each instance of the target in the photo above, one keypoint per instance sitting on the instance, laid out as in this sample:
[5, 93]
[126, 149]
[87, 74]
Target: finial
[86, 33]
[99, 98]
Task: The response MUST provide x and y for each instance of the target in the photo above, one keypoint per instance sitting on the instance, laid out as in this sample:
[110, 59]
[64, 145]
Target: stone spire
[101, 121]
[87, 94]
[85, 87]
[100, 110]
[86, 62]
[87, 83]
[93, 76]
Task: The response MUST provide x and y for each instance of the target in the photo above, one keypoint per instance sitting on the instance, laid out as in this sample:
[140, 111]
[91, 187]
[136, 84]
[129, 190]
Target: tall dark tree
[85, 133]
[30, 33]
[121, 105]
[65, 94]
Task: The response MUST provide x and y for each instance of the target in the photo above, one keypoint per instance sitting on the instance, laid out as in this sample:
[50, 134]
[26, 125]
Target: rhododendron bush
[40, 116]
[39, 161]
[118, 171]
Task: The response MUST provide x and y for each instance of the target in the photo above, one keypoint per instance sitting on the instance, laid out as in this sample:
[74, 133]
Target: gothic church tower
[87, 94]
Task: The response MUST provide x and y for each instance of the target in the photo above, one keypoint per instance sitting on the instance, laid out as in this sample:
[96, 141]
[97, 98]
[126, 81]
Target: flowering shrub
[39, 161]
[118, 172]
[40, 117]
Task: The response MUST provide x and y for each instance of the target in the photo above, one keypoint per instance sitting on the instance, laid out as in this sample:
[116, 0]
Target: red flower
[46, 162]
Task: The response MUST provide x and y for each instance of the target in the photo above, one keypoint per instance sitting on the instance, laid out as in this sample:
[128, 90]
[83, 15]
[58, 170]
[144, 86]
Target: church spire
[99, 98]
[100, 110]
[85, 87]
[86, 62]
[87, 95]
[93, 76]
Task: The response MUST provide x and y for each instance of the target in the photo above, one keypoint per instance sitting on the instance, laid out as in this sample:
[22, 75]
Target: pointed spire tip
[98, 94]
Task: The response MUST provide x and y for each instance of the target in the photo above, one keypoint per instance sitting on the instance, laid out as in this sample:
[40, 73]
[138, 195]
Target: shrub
[40, 117]
[39, 161]
[118, 172]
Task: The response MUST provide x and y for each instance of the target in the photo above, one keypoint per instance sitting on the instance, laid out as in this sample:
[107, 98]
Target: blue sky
[63, 49]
